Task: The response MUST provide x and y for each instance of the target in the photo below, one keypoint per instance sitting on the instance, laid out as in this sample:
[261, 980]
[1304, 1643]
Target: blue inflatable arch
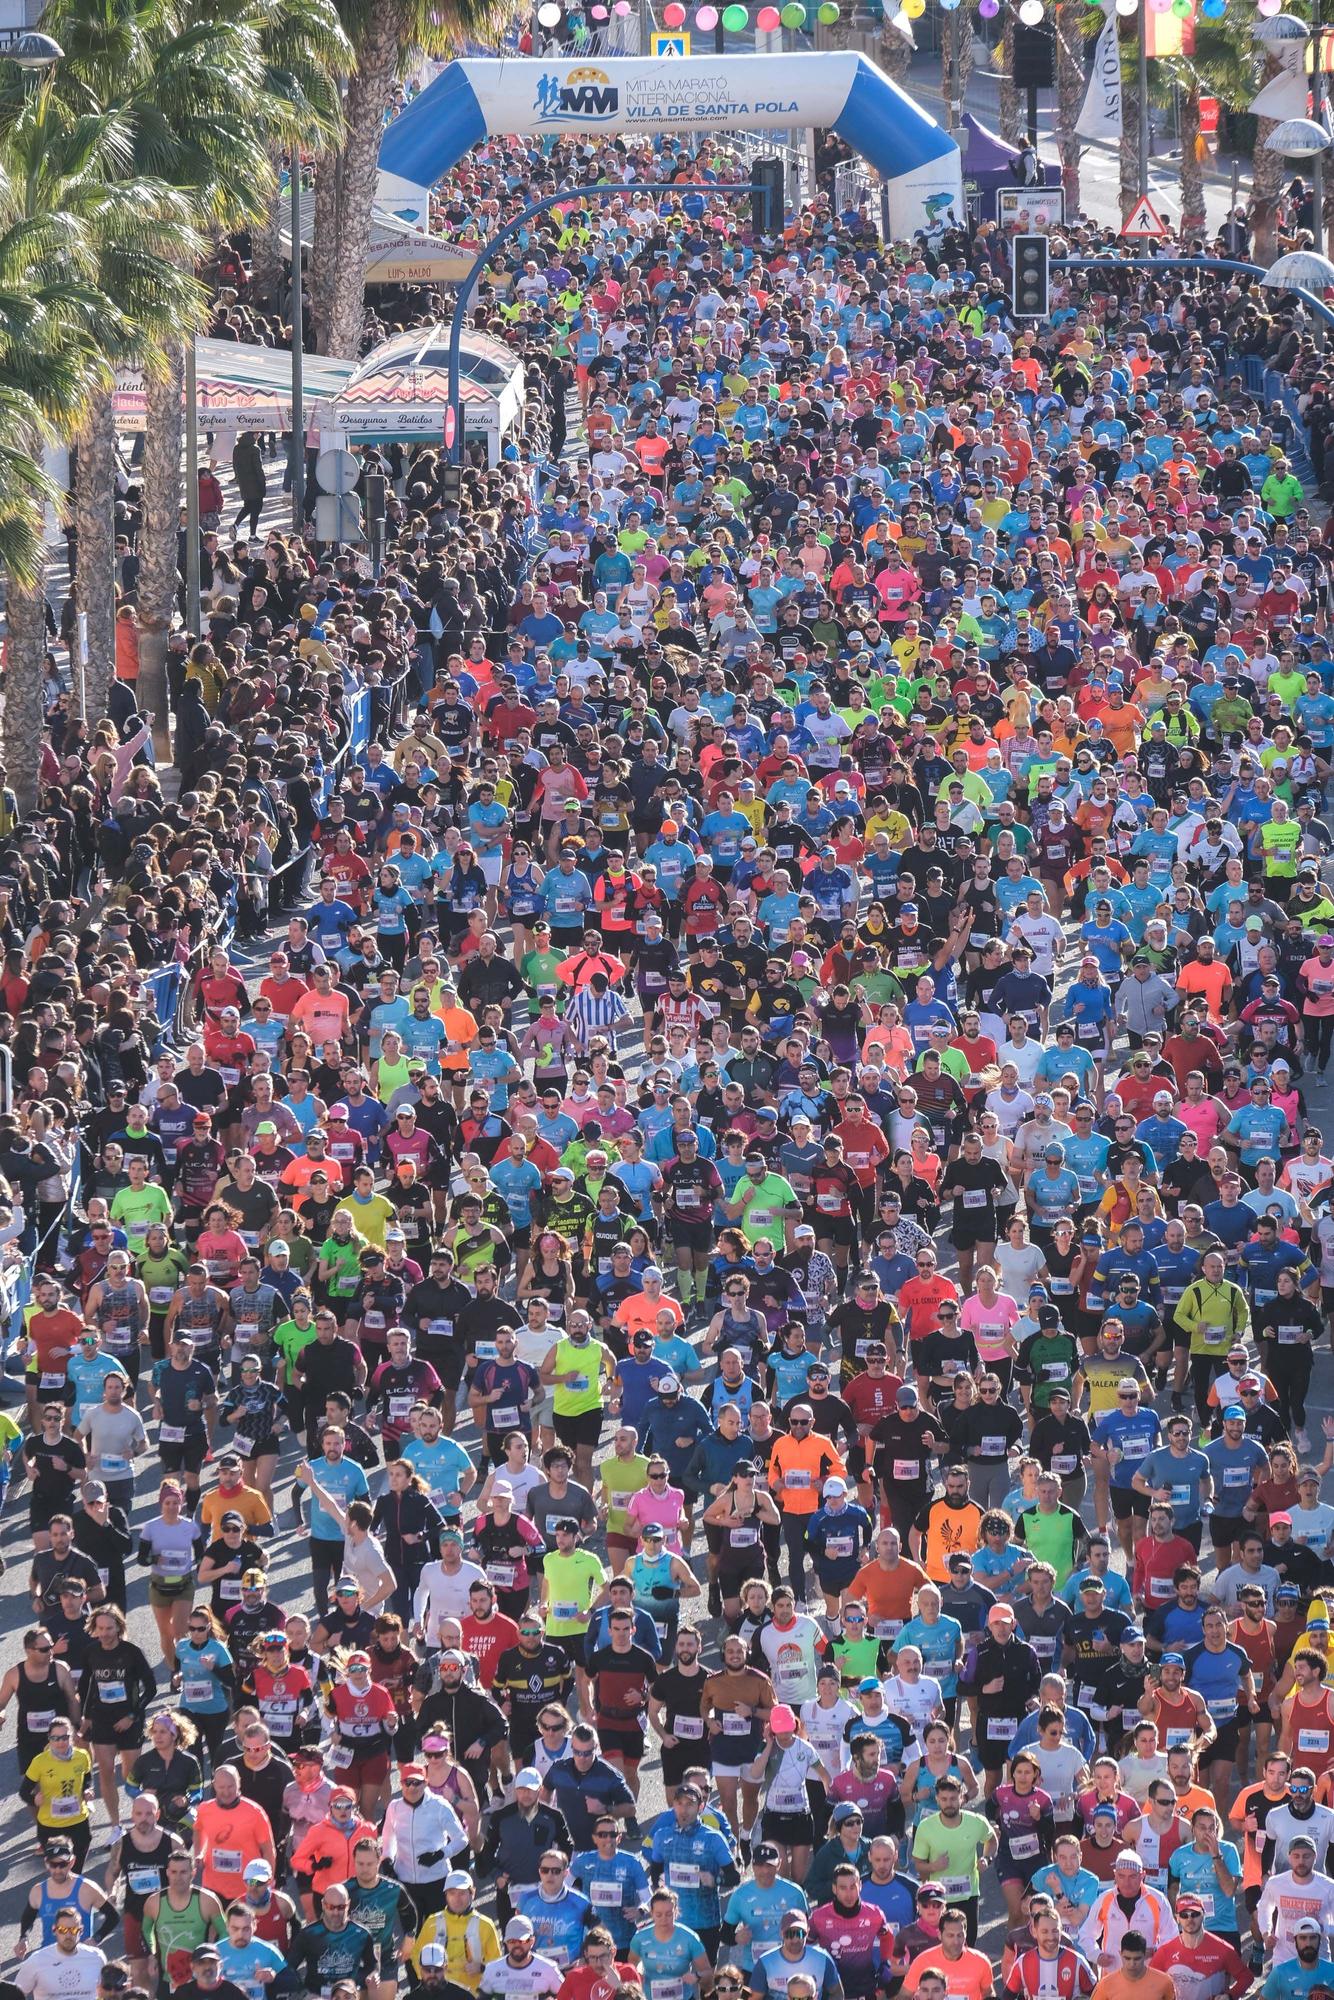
[484, 97]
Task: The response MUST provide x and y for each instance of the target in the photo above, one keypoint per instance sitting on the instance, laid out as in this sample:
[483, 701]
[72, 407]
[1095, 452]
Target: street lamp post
[454, 450]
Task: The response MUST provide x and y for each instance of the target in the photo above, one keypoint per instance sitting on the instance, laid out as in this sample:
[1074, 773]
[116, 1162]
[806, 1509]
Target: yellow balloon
[914, 9]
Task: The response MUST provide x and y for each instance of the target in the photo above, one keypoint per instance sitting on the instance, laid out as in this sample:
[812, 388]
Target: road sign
[1144, 220]
[451, 425]
[669, 45]
[336, 470]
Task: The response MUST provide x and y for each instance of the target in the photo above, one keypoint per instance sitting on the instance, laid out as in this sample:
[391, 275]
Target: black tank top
[39, 1703]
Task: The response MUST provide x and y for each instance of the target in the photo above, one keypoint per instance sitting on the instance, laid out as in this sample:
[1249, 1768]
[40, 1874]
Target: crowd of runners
[754, 1224]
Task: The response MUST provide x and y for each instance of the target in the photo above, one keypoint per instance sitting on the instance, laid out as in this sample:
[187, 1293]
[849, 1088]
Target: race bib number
[682, 1875]
[605, 1895]
[226, 1860]
[171, 1433]
[688, 1727]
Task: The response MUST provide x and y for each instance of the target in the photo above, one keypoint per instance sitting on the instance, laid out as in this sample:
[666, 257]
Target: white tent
[399, 253]
[241, 387]
[401, 390]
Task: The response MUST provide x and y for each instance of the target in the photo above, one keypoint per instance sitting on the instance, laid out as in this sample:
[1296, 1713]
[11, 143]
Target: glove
[432, 1855]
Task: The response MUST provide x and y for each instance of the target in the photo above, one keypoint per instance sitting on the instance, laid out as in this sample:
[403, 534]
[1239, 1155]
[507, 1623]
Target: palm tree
[1222, 66]
[897, 47]
[207, 90]
[1009, 89]
[387, 35]
[1070, 18]
[65, 228]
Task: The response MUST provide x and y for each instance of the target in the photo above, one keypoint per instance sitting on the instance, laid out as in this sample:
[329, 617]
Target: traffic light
[767, 202]
[451, 485]
[1032, 277]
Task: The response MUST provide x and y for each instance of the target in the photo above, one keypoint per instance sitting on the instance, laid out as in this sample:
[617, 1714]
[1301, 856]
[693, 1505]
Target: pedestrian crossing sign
[1144, 220]
[670, 45]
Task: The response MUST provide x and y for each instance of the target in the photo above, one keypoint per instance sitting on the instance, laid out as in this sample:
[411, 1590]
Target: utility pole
[298, 352]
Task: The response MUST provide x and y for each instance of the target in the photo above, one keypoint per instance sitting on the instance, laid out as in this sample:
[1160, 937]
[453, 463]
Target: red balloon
[767, 20]
[673, 15]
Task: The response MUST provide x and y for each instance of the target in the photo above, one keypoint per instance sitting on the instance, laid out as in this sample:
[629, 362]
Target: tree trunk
[965, 50]
[1009, 90]
[95, 520]
[368, 92]
[1069, 95]
[1129, 151]
[896, 54]
[159, 539]
[1192, 166]
[326, 246]
[25, 676]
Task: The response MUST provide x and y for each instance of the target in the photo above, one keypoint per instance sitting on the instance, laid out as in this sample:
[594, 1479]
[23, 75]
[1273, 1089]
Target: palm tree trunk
[965, 49]
[1069, 95]
[1009, 90]
[1129, 149]
[896, 53]
[159, 539]
[95, 520]
[1192, 166]
[25, 677]
[325, 248]
[368, 93]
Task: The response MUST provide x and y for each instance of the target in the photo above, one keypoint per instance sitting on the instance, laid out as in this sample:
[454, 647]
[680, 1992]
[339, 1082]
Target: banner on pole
[1100, 116]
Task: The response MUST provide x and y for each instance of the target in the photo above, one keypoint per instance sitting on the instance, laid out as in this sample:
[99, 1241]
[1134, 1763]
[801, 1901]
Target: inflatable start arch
[482, 98]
